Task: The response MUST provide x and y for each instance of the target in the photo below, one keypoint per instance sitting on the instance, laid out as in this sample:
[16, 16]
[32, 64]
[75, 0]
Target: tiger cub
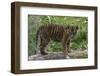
[56, 33]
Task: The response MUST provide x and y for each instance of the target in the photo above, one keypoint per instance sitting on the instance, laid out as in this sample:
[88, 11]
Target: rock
[50, 56]
[59, 55]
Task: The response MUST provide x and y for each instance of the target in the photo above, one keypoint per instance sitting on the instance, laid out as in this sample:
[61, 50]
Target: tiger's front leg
[68, 46]
[65, 50]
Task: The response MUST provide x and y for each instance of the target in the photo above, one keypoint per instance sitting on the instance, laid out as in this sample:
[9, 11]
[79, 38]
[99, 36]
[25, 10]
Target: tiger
[55, 32]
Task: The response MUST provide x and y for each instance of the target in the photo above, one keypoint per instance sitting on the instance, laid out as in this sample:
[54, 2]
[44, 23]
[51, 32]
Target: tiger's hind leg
[65, 45]
[43, 45]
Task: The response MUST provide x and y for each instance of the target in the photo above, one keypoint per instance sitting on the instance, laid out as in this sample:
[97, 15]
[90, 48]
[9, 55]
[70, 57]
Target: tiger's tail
[37, 41]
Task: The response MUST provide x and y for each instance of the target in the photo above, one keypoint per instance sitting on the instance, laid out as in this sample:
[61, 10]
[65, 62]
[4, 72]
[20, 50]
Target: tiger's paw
[67, 57]
[44, 53]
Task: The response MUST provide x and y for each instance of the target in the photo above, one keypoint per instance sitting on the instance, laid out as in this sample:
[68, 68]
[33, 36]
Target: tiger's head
[72, 31]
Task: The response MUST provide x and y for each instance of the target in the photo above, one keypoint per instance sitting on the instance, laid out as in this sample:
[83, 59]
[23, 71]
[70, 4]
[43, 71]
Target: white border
[25, 64]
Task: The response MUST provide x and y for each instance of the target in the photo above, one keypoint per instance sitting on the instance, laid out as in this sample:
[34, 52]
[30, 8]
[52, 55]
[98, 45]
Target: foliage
[80, 40]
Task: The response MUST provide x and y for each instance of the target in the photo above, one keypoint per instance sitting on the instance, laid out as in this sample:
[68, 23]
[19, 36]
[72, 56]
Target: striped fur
[56, 33]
